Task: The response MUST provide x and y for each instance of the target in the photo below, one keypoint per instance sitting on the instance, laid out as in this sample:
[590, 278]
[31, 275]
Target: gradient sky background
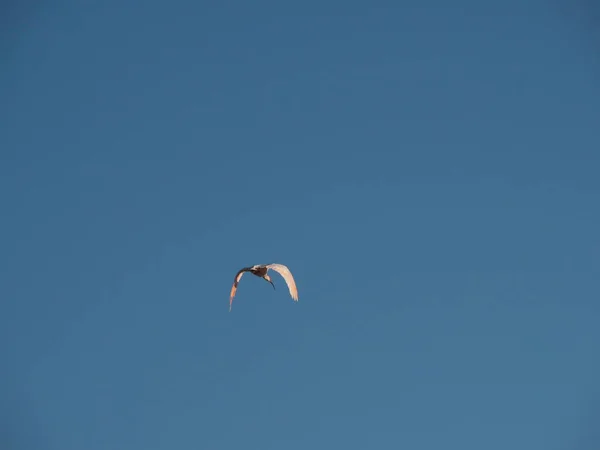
[427, 169]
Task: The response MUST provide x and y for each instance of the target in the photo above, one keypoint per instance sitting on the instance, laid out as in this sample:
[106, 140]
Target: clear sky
[427, 169]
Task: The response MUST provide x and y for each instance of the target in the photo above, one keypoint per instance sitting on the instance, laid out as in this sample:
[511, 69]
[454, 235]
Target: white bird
[260, 270]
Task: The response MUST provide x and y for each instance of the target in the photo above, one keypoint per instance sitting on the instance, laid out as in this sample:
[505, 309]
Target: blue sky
[428, 171]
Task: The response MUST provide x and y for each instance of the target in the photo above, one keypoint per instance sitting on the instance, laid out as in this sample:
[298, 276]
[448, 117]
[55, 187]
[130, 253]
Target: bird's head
[268, 278]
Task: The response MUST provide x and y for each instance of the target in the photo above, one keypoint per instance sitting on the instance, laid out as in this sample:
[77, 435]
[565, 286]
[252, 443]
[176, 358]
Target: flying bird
[260, 270]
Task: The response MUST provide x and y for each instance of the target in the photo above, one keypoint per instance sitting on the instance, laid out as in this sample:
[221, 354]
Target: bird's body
[260, 270]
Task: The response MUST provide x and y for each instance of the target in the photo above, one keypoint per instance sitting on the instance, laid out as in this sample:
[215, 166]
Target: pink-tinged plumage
[260, 271]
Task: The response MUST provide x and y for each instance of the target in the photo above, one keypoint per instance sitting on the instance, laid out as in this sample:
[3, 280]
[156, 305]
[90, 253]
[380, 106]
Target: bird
[260, 270]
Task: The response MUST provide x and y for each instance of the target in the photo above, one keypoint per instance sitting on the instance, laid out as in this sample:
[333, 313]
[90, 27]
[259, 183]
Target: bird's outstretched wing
[236, 280]
[287, 276]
